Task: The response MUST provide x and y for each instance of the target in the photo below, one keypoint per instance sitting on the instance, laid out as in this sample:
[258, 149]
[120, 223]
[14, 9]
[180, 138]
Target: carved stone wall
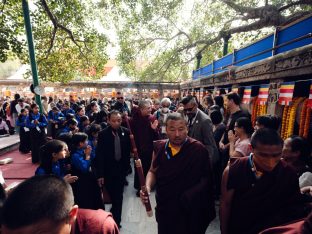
[289, 64]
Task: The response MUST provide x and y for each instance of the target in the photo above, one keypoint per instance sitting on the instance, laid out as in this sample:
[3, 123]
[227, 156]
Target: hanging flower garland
[303, 117]
[289, 118]
[284, 121]
[307, 123]
[254, 111]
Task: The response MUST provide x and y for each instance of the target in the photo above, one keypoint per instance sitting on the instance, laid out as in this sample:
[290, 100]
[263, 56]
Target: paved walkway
[7, 143]
[134, 219]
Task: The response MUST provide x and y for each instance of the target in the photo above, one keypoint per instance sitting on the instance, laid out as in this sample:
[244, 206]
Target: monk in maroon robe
[182, 175]
[260, 191]
[145, 131]
[94, 221]
[303, 226]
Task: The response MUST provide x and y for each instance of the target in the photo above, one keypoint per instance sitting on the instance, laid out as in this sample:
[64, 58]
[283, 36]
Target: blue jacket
[79, 162]
[56, 117]
[56, 170]
[90, 142]
[68, 111]
[21, 121]
[40, 117]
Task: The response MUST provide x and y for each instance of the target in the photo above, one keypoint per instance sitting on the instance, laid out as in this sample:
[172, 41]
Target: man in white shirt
[20, 105]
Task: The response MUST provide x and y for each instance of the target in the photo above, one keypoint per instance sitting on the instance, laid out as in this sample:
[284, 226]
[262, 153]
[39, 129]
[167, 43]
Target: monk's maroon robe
[94, 222]
[184, 189]
[257, 204]
[303, 226]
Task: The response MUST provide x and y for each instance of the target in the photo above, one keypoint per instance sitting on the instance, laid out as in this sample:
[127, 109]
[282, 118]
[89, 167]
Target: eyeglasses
[120, 98]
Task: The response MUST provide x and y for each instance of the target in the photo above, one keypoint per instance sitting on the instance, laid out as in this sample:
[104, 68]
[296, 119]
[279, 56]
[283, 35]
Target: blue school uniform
[56, 170]
[86, 190]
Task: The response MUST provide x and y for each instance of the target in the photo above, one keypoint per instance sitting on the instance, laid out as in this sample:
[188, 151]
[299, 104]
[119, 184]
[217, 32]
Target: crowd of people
[192, 155]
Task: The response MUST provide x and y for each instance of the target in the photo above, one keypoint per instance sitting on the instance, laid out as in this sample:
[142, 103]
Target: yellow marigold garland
[307, 123]
[284, 121]
[289, 117]
[303, 117]
[254, 112]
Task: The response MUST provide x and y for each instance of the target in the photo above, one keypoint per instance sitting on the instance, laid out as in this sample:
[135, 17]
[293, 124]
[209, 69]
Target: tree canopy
[169, 34]
[67, 42]
[158, 40]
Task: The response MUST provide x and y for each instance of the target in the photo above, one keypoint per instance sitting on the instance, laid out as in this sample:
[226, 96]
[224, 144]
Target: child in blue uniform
[36, 122]
[86, 190]
[50, 155]
[24, 132]
[93, 133]
[56, 119]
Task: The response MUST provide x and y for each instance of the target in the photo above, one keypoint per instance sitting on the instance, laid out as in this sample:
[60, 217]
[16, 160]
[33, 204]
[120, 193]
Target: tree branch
[236, 7]
[300, 2]
[181, 32]
[51, 42]
[57, 25]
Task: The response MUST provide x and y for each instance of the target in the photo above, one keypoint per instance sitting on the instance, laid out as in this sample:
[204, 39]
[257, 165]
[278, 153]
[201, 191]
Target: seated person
[254, 188]
[4, 128]
[49, 208]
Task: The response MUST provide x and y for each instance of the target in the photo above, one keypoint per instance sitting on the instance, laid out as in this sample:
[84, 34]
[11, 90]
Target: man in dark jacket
[112, 160]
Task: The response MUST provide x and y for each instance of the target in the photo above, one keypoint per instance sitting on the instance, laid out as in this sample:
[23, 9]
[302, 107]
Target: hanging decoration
[257, 110]
[263, 94]
[310, 97]
[234, 90]
[289, 117]
[286, 93]
[247, 95]
[303, 117]
[307, 123]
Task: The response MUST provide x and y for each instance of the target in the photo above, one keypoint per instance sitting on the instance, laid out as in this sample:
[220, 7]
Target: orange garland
[307, 123]
[303, 118]
[284, 121]
[257, 110]
[289, 118]
[254, 111]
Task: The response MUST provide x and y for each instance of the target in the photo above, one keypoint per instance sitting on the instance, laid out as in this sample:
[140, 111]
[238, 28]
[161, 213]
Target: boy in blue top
[36, 122]
[56, 119]
[66, 109]
[24, 132]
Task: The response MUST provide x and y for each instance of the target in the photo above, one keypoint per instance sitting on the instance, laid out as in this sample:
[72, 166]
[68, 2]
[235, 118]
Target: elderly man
[145, 130]
[200, 126]
[161, 116]
[182, 176]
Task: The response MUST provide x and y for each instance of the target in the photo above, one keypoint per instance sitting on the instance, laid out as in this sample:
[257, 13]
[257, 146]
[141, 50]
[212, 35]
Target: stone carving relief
[254, 71]
[294, 62]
